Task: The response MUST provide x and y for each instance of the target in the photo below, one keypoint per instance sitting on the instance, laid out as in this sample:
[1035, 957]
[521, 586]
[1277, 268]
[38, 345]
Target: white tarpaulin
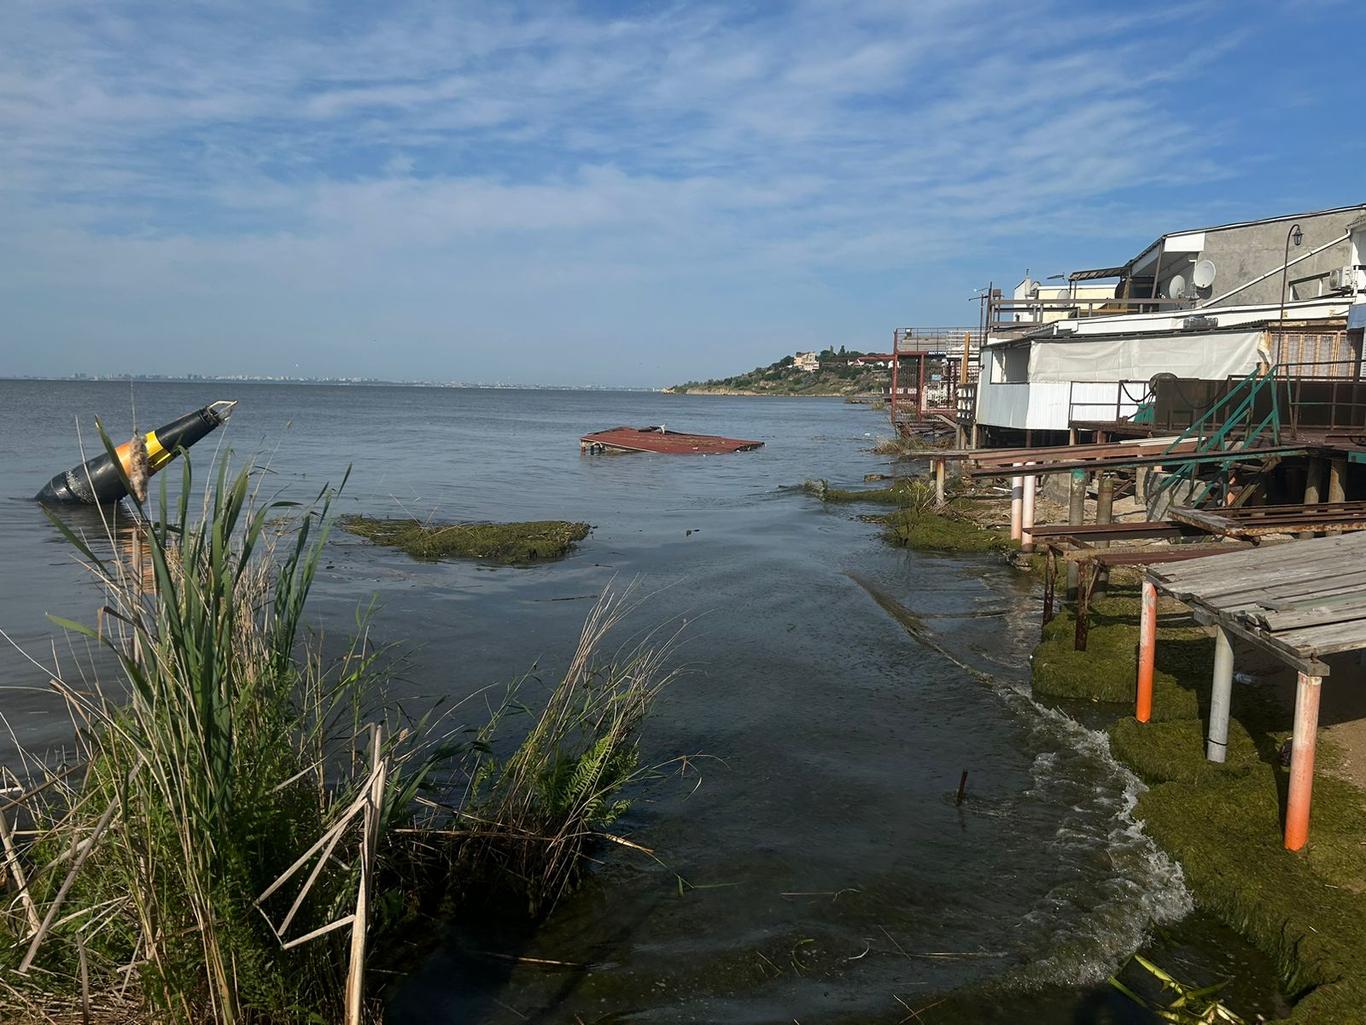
[1211, 356]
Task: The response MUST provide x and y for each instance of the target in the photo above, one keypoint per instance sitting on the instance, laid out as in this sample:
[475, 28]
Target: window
[1009, 365]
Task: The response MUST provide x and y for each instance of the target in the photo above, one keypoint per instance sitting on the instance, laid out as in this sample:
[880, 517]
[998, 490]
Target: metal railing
[1324, 395]
[1002, 312]
[1132, 403]
[945, 341]
[1238, 421]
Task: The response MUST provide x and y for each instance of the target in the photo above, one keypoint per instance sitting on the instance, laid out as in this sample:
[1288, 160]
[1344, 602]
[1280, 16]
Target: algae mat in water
[522, 542]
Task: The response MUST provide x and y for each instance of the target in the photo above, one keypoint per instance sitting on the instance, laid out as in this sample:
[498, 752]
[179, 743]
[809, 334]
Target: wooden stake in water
[962, 788]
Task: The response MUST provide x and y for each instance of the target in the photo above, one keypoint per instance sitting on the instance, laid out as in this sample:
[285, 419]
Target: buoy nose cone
[223, 408]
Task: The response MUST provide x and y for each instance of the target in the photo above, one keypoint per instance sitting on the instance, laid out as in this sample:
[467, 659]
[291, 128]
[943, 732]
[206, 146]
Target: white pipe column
[1027, 512]
[1016, 506]
[1221, 697]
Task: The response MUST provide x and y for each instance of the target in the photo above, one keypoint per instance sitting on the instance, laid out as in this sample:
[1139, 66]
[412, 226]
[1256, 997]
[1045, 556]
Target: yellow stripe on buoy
[157, 455]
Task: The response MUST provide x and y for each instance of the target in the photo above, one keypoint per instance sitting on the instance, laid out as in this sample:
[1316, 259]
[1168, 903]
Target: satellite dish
[1203, 275]
[1176, 288]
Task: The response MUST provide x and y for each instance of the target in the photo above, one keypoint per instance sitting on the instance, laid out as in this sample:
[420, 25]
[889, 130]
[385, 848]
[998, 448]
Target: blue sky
[619, 193]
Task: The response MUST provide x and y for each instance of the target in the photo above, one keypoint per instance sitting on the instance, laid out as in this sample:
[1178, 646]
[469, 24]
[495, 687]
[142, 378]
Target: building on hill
[808, 361]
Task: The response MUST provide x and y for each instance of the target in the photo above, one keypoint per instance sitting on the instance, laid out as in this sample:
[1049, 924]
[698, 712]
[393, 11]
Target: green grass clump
[906, 491]
[1307, 911]
[235, 796]
[916, 523]
[931, 531]
[1174, 750]
[512, 543]
[1107, 671]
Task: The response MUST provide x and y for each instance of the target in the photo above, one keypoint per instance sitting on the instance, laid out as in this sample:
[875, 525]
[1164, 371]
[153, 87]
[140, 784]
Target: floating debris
[98, 481]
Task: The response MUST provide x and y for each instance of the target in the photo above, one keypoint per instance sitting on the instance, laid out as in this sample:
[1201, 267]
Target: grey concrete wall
[1241, 254]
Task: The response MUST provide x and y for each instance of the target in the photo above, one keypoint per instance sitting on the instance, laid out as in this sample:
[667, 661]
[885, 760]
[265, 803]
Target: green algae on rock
[521, 542]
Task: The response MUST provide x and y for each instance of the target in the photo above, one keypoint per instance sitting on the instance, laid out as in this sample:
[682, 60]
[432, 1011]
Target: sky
[619, 194]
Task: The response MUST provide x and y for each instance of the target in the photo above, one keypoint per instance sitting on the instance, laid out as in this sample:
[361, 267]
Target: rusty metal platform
[657, 439]
[1258, 521]
[1116, 455]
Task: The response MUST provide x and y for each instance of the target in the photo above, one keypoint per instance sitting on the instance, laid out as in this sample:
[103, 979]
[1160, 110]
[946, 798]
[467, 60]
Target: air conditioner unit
[1199, 322]
[1337, 277]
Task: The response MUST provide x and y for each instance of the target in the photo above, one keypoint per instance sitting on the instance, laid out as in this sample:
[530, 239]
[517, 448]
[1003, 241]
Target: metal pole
[1285, 270]
[1221, 696]
[939, 482]
[895, 363]
[1302, 747]
[1147, 652]
[920, 387]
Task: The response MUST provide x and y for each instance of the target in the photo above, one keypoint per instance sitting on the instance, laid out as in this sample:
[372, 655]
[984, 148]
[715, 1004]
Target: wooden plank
[1268, 562]
[1315, 616]
[1152, 554]
[1325, 640]
[1298, 660]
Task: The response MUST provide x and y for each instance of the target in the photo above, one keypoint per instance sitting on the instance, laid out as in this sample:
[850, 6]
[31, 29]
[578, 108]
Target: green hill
[838, 375]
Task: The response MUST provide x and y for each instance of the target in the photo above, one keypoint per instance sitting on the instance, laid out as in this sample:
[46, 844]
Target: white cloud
[289, 154]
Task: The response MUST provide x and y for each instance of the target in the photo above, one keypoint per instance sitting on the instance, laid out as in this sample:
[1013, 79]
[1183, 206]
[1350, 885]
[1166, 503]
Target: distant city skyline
[617, 194]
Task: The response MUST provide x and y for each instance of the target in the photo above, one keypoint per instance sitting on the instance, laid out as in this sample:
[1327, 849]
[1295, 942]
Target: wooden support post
[1027, 512]
[972, 437]
[1337, 480]
[1147, 652]
[1337, 483]
[1221, 696]
[1016, 506]
[939, 482]
[1302, 761]
[1313, 487]
[1105, 513]
[1071, 435]
[1086, 582]
[1076, 515]
[1050, 584]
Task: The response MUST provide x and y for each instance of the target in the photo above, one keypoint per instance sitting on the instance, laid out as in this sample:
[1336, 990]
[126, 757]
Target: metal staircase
[1247, 418]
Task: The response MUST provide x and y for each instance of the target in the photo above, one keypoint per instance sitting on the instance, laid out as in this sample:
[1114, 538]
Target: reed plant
[239, 819]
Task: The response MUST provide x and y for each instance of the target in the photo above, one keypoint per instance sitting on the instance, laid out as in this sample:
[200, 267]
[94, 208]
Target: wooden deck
[1300, 601]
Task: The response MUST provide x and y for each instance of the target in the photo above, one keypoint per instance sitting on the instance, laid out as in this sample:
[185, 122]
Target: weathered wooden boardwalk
[1301, 602]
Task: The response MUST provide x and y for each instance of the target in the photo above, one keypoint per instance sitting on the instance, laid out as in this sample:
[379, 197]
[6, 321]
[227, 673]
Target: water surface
[818, 869]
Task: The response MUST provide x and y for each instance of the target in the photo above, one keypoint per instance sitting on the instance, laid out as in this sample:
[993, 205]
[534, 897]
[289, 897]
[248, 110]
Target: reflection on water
[821, 871]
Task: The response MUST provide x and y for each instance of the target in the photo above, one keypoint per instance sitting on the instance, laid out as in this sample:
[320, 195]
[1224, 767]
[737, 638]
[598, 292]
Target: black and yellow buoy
[98, 482]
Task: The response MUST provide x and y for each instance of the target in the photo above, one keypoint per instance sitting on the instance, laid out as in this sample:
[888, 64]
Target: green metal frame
[1235, 434]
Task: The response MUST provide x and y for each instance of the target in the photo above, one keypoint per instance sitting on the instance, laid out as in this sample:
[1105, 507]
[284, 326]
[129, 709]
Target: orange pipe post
[1302, 746]
[1147, 652]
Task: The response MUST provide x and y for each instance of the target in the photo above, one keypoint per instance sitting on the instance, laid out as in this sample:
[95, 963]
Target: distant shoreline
[741, 393]
[328, 382]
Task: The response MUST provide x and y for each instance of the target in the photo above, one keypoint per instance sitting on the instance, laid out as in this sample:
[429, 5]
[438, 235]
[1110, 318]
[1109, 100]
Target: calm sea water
[820, 871]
